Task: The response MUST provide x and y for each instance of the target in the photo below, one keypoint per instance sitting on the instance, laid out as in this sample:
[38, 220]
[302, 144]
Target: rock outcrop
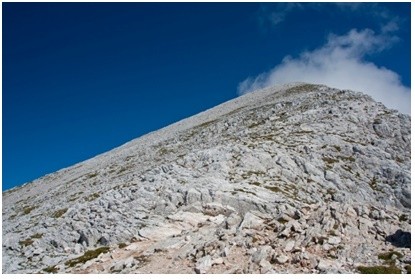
[298, 178]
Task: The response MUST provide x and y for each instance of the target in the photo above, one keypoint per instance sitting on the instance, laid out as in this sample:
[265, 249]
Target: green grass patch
[122, 245]
[92, 175]
[28, 209]
[51, 269]
[89, 255]
[92, 197]
[244, 191]
[59, 213]
[37, 235]
[329, 160]
[273, 189]
[379, 269]
[251, 173]
[388, 255]
[26, 242]
[281, 220]
[349, 158]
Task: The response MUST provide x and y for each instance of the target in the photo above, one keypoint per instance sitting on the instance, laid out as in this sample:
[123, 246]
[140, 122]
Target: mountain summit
[299, 178]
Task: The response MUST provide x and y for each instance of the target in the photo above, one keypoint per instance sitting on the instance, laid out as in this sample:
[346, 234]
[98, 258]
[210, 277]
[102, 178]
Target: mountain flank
[299, 178]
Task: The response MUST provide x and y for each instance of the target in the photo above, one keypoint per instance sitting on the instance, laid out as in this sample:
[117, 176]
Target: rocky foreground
[291, 179]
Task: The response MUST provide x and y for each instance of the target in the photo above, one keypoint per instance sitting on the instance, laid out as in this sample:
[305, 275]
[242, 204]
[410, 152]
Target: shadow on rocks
[400, 239]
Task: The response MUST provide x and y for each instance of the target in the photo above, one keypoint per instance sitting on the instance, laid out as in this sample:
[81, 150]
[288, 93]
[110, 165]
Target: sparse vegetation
[251, 173]
[92, 197]
[37, 235]
[142, 261]
[388, 255]
[244, 191]
[59, 213]
[373, 184]
[302, 88]
[121, 170]
[51, 269]
[349, 158]
[163, 151]
[92, 175]
[207, 123]
[89, 255]
[181, 181]
[255, 124]
[74, 197]
[122, 245]
[281, 220]
[330, 160]
[331, 191]
[403, 218]
[408, 268]
[273, 189]
[28, 209]
[380, 269]
[26, 242]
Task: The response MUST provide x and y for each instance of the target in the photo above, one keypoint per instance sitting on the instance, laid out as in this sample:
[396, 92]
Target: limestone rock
[203, 265]
[283, 180]
[282, 259]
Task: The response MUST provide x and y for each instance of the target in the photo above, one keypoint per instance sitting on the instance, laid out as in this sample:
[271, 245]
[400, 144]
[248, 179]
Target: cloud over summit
[341, 63]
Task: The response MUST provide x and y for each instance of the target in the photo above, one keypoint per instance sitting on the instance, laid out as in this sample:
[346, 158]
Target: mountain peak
[291, 178]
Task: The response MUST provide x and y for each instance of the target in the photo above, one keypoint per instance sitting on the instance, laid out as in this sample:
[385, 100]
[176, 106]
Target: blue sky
[82, 78]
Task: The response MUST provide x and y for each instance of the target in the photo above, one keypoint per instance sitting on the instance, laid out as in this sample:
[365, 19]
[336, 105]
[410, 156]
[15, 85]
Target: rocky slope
[290, 179]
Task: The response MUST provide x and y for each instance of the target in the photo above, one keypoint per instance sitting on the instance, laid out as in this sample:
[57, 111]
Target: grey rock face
[302, 174]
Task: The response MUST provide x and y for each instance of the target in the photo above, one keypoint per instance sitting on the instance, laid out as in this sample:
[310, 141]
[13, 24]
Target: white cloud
[341, 63]
[276, 13]
[272, 14]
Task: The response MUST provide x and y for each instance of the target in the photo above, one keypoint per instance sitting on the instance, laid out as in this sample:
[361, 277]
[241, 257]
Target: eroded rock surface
[292, 179]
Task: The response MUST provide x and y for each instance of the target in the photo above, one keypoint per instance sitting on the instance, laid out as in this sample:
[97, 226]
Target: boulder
[251, 221]
[289, 245]
[203, 265]
[282, 259]
[334, 240]
[263, 253]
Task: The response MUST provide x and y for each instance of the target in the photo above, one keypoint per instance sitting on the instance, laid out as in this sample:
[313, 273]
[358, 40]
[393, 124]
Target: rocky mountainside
[297, 178]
